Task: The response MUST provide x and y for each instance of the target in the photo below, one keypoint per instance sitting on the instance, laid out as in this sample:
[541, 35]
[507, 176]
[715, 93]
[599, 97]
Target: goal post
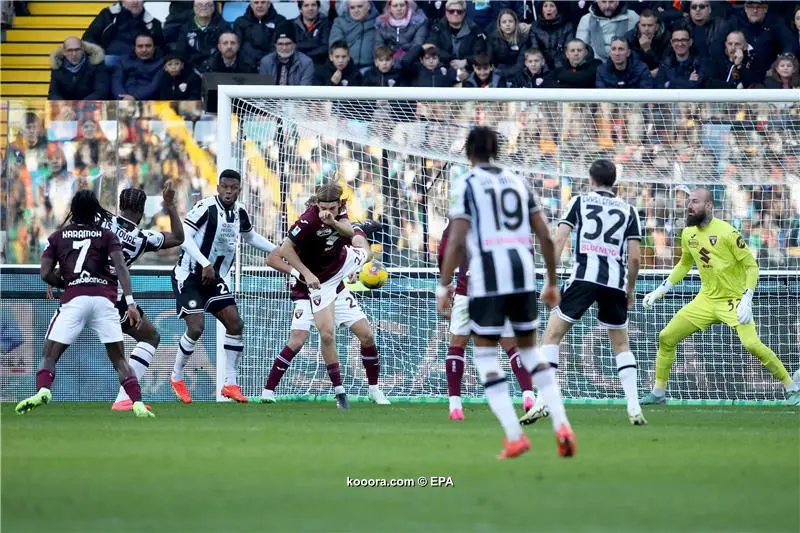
[395, 150]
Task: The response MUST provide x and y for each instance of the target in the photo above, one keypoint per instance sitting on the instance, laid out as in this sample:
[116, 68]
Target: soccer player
[459, 337]
[85, 253]
[494, 213]
[136, 242]
[728, 278]
[212, 228]
[606, 264]
[317, 248]
[347, 312]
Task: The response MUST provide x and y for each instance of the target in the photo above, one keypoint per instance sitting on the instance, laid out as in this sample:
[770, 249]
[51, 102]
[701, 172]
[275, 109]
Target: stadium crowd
[104, 127]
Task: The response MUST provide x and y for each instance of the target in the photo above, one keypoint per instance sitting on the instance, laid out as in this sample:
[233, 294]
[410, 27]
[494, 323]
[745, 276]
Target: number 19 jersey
[498, 204]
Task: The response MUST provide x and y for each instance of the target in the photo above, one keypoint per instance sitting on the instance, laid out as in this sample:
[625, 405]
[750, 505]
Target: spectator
[178, 82]
[507, 43]
[138, 76]
[793, 34]
[430, 72]
[550, 34]
[457, 39]
[623, 70]
[484, 74]
[402, 27]
[256, 31]
[78, 72]
[535, 75]
[667, 11]
[313, 31]
[385, 73]
[115, 29]
[338, 70]
[484, 13]
[735, 72]
[357, 28]
[682, 69]
[198, 38]
[580, 69]
[226, 59]
[764, 34]
[784, 74]
[286, 65]
[649, 40]
[707, 31]
[605, 19]
[179, 14]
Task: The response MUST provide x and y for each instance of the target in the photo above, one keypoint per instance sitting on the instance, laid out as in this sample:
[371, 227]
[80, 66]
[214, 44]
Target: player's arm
[288, 252]
[124, 277]
[275, 261]
[47, 270]
[634, 261]
[251, 236]
[562, 234]
[740, 251]
[342, 226]
[196, 219]
[550, 294]
[174, 237]
[678, 273]
[567, 223]
[454, 252]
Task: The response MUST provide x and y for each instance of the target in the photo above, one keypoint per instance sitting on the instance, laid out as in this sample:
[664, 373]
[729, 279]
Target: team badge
[317, 300]
[713, 240]
[740, 242]
[298, 313]
[192, 303]
[693, 242]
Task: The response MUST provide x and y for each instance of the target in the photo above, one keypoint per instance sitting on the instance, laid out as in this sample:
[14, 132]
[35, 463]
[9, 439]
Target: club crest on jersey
[713, 240]
[740, 242]
[693, 242]
[317, 300]
[298, 313]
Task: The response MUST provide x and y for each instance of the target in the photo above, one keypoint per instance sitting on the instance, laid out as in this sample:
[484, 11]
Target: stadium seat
[233, 10]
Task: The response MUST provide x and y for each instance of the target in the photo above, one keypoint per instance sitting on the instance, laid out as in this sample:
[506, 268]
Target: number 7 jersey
[603, 226]
[498, 204]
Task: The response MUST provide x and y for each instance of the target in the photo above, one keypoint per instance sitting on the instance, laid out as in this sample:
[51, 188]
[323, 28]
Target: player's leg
[454, 362]
[45, 376]
[749, 337]
[522, 311]
[189, 305]
[297, 339]
[233, 344]
[323, 320]
[147, 340]
[509, 345]
[369, 359]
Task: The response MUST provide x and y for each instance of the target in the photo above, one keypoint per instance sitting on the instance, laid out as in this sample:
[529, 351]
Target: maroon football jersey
[300, 290]
[82, 253]
[462, 278]
[319, 246]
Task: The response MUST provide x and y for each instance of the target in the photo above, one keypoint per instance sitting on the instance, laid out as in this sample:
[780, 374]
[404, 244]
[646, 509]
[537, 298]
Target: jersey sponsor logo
[500, 240]
[87, 278]
[704, 255]
[324, 232]
[713, 240]
[590, 247]
[740, 242]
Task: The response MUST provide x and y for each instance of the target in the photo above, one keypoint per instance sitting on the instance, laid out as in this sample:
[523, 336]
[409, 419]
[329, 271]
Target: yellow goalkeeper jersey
[722, 257]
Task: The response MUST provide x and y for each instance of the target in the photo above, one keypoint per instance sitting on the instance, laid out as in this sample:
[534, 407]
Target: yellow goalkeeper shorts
[704, 311]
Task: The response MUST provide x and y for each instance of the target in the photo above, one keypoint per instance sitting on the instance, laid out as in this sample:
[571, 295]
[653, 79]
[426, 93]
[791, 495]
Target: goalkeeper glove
[652, 297]
[744, 311]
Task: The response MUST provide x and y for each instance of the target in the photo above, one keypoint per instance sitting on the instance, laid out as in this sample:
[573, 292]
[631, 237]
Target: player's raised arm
[175, 236]
[47, 269]
[289, 253]
[256, 240]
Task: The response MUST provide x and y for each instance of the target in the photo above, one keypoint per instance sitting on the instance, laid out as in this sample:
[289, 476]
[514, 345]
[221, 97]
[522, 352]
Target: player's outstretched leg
[369, 359]
[141, 356]
[127, 378]
[749, 337]
[323, 319]
[628, 373]
[454, 370]
[557, 328]
[297, 339]
[233, 345]
[520, 372]
[44, 377]
[678, 329]
[186, 344]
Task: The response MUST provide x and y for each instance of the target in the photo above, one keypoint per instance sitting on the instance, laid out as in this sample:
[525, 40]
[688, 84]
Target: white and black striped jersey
[498, 204]
[217, 230]
[603, 226]
[133, 241]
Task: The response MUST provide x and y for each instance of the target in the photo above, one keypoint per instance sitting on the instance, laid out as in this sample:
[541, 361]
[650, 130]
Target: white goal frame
[226, 94]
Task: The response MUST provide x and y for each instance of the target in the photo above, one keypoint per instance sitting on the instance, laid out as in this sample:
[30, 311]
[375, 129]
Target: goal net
[396, 151]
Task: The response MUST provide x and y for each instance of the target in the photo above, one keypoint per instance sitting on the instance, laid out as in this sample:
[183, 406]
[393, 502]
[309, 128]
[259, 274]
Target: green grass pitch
[283, 468]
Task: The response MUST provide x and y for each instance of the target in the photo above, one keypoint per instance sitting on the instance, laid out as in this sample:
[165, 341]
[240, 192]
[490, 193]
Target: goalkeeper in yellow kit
[728, 276]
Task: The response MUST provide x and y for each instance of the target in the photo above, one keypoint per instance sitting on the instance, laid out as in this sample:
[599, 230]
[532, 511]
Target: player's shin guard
[44, 379]
[279, 368]
[520, 372]
[132, 388]
[628, 375]
[372, 365]
[496, 387]
[182, 356]
[234, 347]
[545, 381]
[454, 369]
[141, 357]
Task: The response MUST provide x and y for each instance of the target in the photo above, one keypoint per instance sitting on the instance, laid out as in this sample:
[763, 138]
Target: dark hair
[482, 60]
[229, 32]
[329, 191]
[144, 34]
[301, 2]
[603, 172]
[230, 174]
[339, 45]
[622, 39]
[680, 27]
[533, 51]
[648, 13]
[429, 51]
[86, 209]
[482, 144]
[383, 52]
[132, 199]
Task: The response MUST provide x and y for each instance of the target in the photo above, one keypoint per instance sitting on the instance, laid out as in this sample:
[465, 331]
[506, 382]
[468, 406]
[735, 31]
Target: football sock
[496, 388]
[44, 379]
[545, 381]
[454, 370]
[455, 402]
[132, 389]
[372, 365]
[141, 357]
[279, 368]
[182, 355]
[628, 375]
[335, 374]
[234, 346]
[520, 372]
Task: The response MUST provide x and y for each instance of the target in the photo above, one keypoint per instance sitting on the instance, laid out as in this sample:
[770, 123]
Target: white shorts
[346, 312]
[326, 294]
[459, 318]
[97, 312]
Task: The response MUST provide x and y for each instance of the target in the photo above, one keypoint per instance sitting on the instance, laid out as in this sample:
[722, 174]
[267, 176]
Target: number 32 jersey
[603, 226]
[498, 204]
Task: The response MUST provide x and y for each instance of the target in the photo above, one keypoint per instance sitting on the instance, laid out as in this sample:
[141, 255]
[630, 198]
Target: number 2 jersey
[498, 205]
[82, 254]
[603, 225]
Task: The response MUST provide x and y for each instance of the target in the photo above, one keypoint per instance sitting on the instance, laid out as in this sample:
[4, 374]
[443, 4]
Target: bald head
[73, 50]
[700, 210]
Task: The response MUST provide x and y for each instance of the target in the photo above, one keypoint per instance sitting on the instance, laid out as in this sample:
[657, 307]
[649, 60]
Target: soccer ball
[373, 275]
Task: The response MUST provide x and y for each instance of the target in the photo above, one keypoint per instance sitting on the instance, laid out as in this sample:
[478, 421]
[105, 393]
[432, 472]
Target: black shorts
[577, 297]
[122, 309]
[488, 314]
[192, 297]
